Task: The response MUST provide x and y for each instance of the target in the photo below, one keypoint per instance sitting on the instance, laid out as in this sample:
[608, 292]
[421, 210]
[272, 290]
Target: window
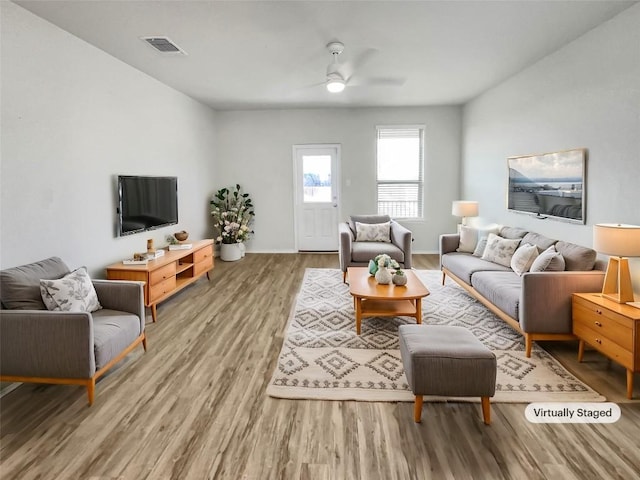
[400, 156]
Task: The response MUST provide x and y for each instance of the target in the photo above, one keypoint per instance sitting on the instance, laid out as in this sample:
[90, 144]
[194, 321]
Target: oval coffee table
[374, 300]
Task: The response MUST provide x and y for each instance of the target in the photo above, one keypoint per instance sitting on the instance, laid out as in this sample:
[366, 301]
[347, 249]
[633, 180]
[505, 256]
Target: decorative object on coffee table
[399, 278]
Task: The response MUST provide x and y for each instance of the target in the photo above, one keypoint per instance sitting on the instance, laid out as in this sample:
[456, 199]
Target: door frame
[296, 189]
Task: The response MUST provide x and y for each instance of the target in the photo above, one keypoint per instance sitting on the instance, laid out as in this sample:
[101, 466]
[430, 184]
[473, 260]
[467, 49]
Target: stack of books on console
[181, 246]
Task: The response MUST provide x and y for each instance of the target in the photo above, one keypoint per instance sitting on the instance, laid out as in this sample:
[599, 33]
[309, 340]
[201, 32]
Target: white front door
[316, 197]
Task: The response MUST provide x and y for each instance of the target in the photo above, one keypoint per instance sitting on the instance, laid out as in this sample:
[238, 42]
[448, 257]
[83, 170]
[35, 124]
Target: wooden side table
[611, 328]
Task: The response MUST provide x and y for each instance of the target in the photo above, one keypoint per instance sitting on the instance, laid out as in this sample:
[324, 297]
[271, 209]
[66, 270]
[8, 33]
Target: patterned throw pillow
[72, 293]
[523, 258]
[373, 232]
[500, 250]
[482, 244]
[548, 261]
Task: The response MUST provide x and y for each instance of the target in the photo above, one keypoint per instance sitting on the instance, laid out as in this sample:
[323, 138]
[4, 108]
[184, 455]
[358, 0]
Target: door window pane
[316, 178]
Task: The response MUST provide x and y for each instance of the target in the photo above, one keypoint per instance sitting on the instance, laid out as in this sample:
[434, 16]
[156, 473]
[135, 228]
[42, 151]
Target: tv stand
[168, 274]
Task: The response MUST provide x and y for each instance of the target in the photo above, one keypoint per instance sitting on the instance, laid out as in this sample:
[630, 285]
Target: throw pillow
[548, 261]
[72, 293]
[523, 258]
[373, 232]
[500, 250]
[482, 244]
[469, 237]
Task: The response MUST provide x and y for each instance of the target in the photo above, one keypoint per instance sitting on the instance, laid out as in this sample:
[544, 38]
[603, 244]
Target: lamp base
[617, 281]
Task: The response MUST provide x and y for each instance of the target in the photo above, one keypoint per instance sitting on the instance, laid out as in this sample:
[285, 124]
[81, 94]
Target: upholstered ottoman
[447, 361]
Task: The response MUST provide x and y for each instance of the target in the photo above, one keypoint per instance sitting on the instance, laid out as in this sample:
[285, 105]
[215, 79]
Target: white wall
[585, 95]
[255, 150]
[73, 118]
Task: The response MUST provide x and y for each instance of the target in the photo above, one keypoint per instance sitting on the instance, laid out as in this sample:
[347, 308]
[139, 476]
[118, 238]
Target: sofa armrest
[545, 299]
[123, 295]
[40, 343]
[346, 239]
[449, 242]
[401, 238]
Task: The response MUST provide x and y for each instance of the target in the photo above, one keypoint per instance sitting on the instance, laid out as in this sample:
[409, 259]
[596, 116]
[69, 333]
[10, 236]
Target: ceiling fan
[339, 75]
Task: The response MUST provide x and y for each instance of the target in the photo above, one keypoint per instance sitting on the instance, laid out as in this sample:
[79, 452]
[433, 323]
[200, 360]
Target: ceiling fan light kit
[335, 82]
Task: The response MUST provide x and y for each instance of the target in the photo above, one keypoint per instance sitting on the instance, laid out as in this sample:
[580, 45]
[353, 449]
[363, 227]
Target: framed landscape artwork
[549, 185]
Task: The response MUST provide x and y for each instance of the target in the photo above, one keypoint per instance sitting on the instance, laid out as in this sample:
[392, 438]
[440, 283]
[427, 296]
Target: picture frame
[549, 185]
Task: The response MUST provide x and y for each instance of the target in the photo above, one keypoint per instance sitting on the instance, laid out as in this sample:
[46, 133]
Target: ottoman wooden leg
[417, 409]
[486, 410]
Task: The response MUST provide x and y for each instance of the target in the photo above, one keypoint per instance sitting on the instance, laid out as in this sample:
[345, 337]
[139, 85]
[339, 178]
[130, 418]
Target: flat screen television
[146, 203]
[549, 185]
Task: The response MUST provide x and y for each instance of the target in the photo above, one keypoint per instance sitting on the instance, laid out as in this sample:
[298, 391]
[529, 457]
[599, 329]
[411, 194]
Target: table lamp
[619, 241]
[464, 209]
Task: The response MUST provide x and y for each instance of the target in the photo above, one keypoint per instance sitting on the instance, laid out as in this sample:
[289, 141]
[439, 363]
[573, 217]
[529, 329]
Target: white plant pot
[230, 252]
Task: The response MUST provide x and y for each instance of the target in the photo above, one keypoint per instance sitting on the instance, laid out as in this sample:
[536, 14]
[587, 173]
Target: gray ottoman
[447, 361]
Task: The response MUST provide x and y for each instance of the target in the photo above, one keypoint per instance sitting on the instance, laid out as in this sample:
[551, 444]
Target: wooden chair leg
[417, 409]
[91, 390]
[486, 410]
[344, 277]
[528, 345]
[444, 276]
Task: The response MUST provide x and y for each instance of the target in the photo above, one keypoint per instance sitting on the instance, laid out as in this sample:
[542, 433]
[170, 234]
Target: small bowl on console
[181, 236]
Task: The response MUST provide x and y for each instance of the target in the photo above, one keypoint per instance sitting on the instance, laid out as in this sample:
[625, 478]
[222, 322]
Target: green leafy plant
[232, 212]
[399, 272]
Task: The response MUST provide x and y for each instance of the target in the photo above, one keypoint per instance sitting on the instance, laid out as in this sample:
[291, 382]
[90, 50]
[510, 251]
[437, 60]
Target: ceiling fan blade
[378, 81]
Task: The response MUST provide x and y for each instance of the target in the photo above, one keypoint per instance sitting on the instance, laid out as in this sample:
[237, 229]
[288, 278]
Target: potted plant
[232, 212]
[399, 278]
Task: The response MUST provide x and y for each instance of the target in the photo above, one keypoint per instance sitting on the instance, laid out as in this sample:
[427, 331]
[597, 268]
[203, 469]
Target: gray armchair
[354, 253]
[70, 348]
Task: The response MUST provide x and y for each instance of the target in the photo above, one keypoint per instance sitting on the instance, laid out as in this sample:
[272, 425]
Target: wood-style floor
[194, 407]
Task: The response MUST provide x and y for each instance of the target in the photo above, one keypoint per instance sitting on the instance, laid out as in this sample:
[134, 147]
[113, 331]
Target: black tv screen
[146, 203]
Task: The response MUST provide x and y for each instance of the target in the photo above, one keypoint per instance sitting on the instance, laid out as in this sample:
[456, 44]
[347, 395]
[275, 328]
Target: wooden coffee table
[374, 300]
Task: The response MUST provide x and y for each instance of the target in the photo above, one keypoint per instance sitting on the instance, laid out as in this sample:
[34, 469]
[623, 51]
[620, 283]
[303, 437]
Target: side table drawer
[158, 290]
[601, 323]
[162, 274]
[604, 345]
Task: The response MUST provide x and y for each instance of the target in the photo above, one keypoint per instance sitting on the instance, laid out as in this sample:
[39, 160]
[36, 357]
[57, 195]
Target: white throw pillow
[482, 244]
[72, 293]
[373, 232]
[523, 258]
[548, 261]
[500, 250]
[469, 237]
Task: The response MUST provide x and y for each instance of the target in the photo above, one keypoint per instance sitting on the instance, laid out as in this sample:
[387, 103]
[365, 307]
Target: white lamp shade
[619, 240]
[462, 208]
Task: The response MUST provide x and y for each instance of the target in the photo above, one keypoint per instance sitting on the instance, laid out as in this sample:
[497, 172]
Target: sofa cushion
[538, 240]
[512, 232]
[362, 252]
[500, 288]
[500, 250]
[373, 232]
[72, 293]
[576, 257]
[20, 286]
[523, 258]
[113, 331]
[366, 219]
[548, 261]
[464, 265]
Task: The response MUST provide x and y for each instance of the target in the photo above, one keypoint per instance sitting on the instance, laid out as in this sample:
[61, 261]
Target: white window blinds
[400, 159]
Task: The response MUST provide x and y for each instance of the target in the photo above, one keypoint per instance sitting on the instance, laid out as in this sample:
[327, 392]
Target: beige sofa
[537, 304]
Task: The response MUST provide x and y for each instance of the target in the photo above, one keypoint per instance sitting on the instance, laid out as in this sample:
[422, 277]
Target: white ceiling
[271, 54]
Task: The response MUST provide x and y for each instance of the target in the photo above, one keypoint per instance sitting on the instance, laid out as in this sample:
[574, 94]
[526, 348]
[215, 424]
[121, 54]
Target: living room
[74, 117]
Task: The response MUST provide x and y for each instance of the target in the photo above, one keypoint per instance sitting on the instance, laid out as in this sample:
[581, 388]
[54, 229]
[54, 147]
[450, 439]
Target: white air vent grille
[164, 45]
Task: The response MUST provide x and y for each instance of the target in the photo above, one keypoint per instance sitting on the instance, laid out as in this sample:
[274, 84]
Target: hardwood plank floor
[194, 407]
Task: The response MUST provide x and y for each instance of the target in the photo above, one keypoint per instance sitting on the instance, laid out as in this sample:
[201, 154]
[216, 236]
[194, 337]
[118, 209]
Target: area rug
[323, 358]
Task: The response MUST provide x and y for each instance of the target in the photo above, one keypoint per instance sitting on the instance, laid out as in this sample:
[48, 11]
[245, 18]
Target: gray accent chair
[354, 254]
[69, 348]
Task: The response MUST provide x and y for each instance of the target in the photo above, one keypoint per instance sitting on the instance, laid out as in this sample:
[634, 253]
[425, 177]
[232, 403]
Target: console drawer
[162, 273]
[203, 266]
[203, 254]
[162, 288]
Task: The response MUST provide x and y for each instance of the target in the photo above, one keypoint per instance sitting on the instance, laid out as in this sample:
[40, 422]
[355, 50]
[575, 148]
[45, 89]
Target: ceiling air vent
[164, 45]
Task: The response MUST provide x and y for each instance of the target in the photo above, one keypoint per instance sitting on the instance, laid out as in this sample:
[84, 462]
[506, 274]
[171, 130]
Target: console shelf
[168, 274]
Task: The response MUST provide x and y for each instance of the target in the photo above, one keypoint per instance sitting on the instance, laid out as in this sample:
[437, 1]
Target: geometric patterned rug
[323, 358]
